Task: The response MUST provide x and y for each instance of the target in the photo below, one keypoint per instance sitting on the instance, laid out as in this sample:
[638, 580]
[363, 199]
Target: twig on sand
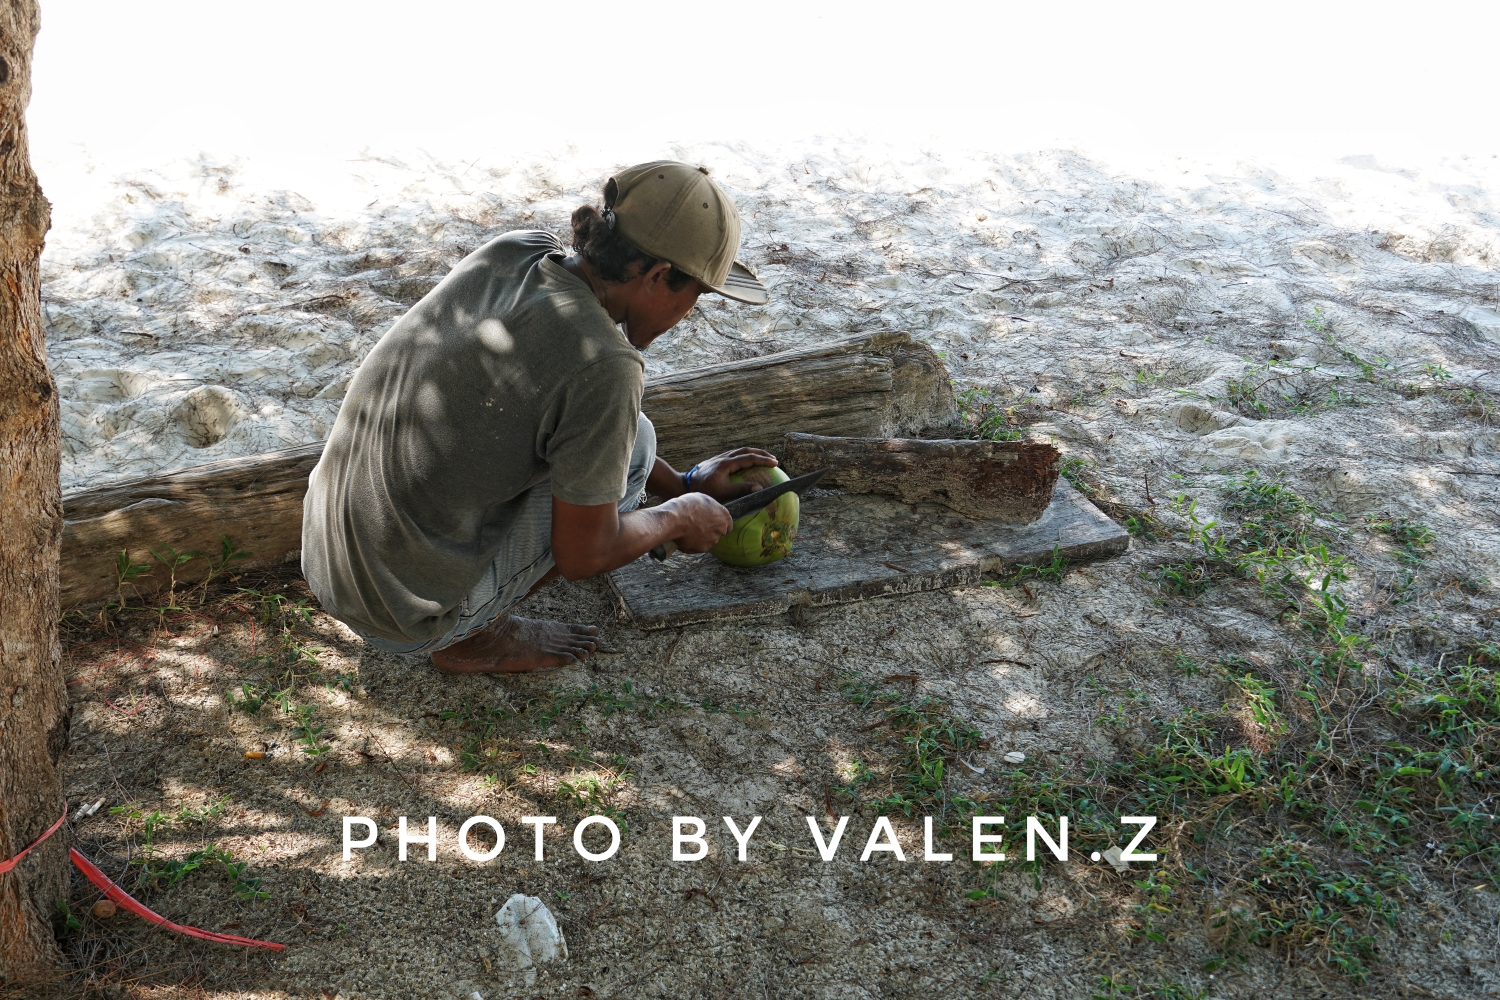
[688, 895]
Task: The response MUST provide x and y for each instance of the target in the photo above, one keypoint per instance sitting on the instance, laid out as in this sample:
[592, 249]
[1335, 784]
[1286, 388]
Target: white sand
[193, 316]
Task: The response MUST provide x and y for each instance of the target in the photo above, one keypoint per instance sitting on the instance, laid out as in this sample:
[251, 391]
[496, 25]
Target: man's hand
[712, 476]
[587, 541]
[703, 521]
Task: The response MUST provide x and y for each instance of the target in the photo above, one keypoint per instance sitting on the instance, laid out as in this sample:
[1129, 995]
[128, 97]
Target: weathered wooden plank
[986, 480]
[850, 548]
[870, 384]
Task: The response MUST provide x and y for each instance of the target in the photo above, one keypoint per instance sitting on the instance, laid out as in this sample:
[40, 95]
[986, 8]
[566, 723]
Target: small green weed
[593, 794]
[310, 732]
[1111, 988]
[1073, 468]
[1052, 571]
[1186, 664]
[571, 702]
[737, 710]
[1185, 579]
[481, 749]
[1474, 402]
[70, 919]
[1414, 537]
[252, 697]
[286, 655]
[175, 870]
[228, 556]
[173, 560]
[985, 418]
[126, 569]
[1260, 699]
[161, 872]
[931, 742]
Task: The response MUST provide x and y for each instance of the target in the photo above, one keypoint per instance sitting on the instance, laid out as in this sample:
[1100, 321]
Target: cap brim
[743, 286]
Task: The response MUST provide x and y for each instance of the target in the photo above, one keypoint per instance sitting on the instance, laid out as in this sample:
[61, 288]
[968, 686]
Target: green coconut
[767, 535]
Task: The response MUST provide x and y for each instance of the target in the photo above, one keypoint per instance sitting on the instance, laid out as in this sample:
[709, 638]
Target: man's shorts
[525, 556]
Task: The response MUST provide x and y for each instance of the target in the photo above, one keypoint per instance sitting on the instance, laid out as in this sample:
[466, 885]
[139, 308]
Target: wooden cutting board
[853, 547]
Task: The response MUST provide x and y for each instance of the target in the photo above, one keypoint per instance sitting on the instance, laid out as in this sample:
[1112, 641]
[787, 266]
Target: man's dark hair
[612, 255]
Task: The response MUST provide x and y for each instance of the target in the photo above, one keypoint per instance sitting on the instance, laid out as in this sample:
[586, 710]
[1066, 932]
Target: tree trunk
[33, 700]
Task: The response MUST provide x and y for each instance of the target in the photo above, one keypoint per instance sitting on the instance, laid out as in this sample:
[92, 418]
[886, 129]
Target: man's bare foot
[512, 645]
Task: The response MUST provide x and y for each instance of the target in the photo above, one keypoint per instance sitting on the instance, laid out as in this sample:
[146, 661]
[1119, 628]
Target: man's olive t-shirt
[509, 372]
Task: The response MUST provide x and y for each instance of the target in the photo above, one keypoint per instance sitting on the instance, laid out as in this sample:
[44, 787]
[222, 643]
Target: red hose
[6, 866]
[124, 899]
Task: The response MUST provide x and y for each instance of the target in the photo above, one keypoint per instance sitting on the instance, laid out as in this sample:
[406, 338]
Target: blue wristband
[687, 480]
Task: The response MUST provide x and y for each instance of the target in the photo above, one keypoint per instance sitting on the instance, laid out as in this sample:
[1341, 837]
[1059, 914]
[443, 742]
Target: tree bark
[33, 700]
[985, 480]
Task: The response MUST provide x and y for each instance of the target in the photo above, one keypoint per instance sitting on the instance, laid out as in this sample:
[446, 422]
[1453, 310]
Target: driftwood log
[985, 480]
[881, 383]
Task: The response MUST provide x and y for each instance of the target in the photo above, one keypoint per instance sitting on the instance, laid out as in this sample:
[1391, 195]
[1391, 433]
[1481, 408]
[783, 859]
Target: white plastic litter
[1015, 757]
[1113, 857]
[530, 932]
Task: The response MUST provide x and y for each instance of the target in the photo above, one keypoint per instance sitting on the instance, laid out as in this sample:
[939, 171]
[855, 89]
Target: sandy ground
[1170, 327]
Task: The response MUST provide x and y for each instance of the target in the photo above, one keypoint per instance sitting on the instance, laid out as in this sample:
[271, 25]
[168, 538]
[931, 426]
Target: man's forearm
[665, 481]
[635, 533]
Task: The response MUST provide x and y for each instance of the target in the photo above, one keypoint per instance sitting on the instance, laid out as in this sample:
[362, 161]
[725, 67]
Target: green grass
[159, 871]
[1289, 832]
[1289, 896]
[917, 778]
[1305, 835]
[593, 794]
[1189, 578]
[1112, 988]
[567, 704]
[1301, 906]
[288, 665]
[512, 748]
[985, 418]
[1270, 534]
[1275, 386]
[1414, 538]
[1051, 571]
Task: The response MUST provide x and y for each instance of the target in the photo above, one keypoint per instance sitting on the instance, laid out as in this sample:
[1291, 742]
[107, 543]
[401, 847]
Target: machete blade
[752, 502]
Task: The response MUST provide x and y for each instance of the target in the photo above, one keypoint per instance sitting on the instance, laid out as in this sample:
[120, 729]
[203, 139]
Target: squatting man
[493, 439]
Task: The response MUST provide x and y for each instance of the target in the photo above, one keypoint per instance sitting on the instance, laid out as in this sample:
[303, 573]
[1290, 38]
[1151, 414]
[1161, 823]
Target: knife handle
[663, 550]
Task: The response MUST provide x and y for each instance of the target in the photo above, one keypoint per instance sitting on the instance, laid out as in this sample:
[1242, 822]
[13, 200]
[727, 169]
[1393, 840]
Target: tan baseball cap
[675, 211]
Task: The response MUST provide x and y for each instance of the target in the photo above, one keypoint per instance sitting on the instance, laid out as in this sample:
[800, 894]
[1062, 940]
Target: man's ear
[657, 275]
